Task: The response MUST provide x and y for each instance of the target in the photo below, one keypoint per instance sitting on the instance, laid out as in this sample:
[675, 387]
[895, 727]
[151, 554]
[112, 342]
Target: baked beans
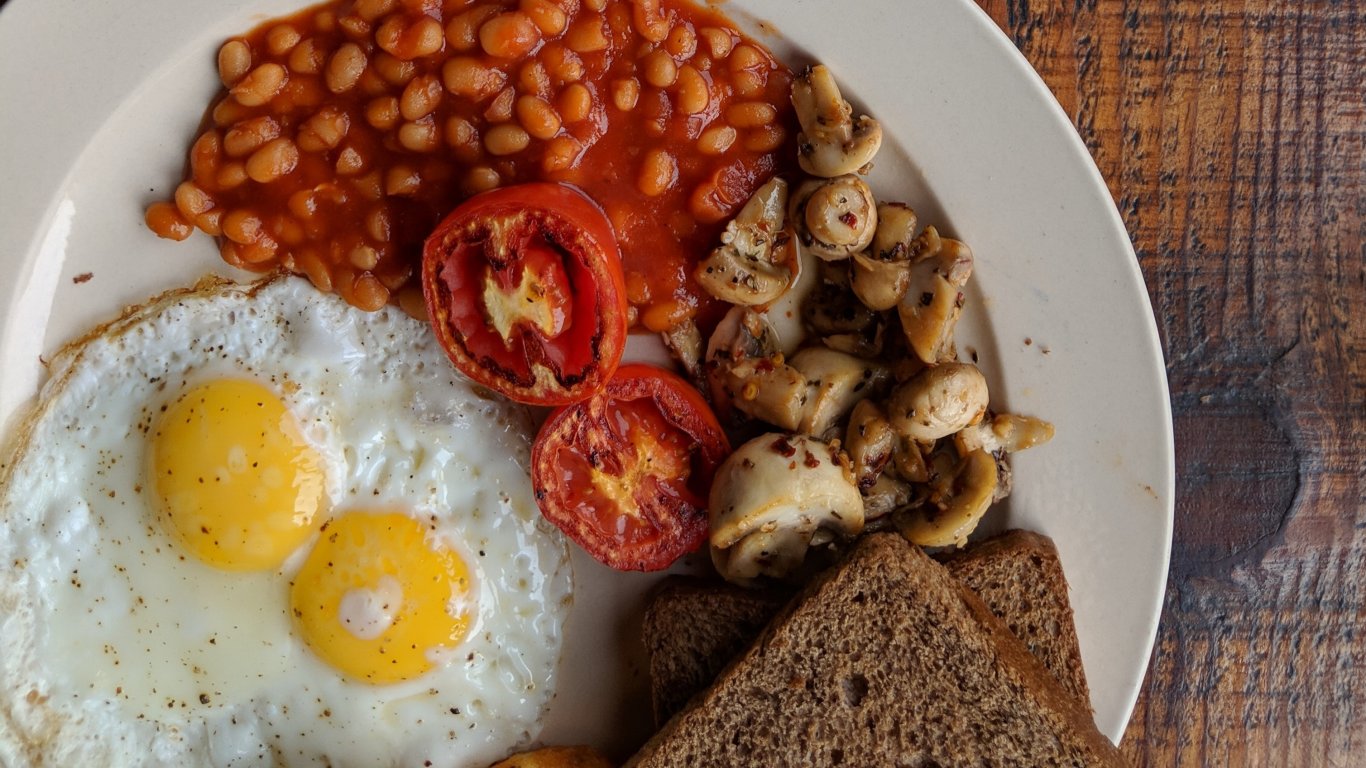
[509, 35]
[538, 117]
[658, 172]
[166, 221]
[506, 139]
[661, 70]
[345, 67]
[420, 98]
[547, 16]
[500, 109]
[716, 140]
[576, 102]
[282, 39]
[306, 58]
[625, 94]
[694, 93]
[345, 132]
[260, 85]
[234, 61]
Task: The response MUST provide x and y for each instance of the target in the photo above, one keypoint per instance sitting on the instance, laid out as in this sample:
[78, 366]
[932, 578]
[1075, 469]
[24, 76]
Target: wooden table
[1233, 138]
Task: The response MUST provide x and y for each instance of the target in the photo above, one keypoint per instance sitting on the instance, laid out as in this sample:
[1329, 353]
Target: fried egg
[250, 525]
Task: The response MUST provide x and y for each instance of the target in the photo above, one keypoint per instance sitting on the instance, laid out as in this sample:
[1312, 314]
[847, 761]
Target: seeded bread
[884, 660]
[694, 627]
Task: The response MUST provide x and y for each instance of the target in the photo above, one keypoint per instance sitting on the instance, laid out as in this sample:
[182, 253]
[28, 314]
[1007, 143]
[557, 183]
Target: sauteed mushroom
[960, 493]
[835, 218]
[1004, 477]
[684, 342]
[769, 390]
[771, 497]
[834, 383]
[839, 319]
[929, 310]
[870, 442]
[882, 274]
[831, 142]
[756, 260]
[745, 371]
[809, 394]
[887, 494]
[909, 461]
[1006, 433]
[742, 333]
[938, 402]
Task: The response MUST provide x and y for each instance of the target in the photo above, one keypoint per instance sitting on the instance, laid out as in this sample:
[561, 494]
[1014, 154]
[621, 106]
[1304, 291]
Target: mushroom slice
[938, 402]
[832, 313]
[755, 262]
[767, 389]
[835, 218]
[835, 382]
[929, 311]
[684, 342]
[886, 495]
[768, 500]
[1004, 477]
[1004, 433]
[957, 502]
[929, 318]
[743, 334]
[882, 274]
[831, 142]
[831, 310]
[953, 261]
[864, 343]
[909, 461]
[870, 442]
[906, 364]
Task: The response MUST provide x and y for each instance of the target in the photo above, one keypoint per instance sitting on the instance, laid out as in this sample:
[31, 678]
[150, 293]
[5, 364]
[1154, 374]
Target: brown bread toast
[1019, 578]
[883, 660]
[694, 627]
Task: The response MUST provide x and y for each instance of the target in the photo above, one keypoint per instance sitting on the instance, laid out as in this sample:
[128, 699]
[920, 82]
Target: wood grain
[1233, 138]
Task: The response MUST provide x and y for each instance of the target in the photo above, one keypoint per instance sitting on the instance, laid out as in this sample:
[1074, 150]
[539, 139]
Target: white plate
[100, 101]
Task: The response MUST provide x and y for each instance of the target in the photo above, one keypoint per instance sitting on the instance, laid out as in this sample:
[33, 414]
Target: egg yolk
[380, 601]
[239, 486]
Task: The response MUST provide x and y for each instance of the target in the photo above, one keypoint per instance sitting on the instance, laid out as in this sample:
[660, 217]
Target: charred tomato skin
[525, 292]
[627, 472]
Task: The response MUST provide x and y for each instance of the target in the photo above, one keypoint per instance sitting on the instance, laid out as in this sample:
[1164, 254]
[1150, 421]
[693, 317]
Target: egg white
[120, 648]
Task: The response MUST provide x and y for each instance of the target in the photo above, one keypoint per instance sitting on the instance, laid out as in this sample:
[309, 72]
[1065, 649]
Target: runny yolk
[238, 485]
[379, 600]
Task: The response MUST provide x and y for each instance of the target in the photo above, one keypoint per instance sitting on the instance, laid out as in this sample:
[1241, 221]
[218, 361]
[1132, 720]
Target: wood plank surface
[1233, 138]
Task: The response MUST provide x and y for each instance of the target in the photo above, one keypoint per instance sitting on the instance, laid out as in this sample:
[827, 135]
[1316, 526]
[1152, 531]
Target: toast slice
[884, 660]
[1019, 578]
[694, 627]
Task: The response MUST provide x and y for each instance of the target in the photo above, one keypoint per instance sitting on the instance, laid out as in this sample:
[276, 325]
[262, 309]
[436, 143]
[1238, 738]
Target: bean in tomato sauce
[345, 132]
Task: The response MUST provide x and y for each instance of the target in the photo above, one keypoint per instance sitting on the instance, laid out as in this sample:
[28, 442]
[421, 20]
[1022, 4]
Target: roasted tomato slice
[626, 473]
[525, 291]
